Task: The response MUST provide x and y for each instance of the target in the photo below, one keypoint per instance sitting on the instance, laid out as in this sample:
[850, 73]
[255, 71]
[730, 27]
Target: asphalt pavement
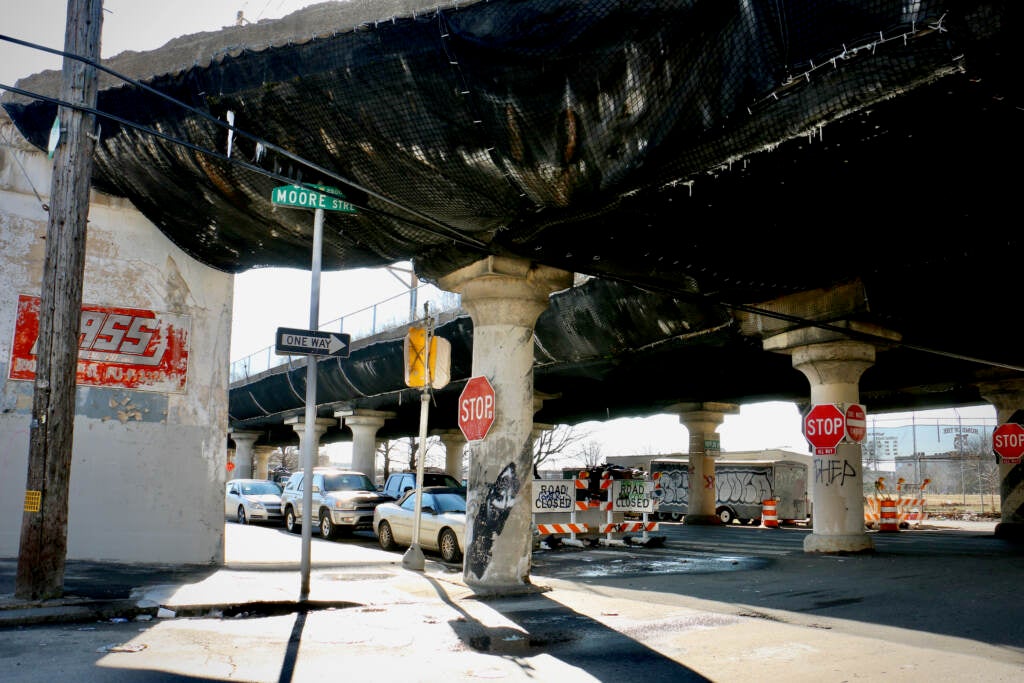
[710, 603]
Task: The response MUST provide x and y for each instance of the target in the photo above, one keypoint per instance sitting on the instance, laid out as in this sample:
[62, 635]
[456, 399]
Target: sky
[270, 298]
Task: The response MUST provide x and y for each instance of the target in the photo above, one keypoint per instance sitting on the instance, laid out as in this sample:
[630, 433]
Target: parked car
[442, 521]
[253, 500]
[343, 501]
[400, 482]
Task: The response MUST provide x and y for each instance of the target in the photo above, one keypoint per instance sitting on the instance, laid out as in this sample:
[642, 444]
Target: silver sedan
[442, 521]
[253, 500]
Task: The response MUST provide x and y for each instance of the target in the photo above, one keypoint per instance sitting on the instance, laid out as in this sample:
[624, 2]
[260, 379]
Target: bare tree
[590, 453]
[552, 443]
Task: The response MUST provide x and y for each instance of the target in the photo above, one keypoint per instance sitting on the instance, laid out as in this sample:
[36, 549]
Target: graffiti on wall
[128, 348]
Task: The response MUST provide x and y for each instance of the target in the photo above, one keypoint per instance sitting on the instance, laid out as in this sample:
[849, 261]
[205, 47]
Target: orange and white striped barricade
[769, 513]
[888, 519]
[872, 504]
[911, 503]
[631, 495]
[557, 496]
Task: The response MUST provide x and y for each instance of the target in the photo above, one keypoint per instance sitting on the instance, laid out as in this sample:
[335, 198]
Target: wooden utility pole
[43, 549]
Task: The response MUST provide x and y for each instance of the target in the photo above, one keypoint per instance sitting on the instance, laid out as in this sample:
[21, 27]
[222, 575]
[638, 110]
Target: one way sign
[291, 342]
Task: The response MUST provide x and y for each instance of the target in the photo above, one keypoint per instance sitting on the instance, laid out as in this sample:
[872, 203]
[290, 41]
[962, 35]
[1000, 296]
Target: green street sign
[308, 198]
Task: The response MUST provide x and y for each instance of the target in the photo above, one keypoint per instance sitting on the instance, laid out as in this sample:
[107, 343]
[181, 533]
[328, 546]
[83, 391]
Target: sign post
[824, 428]
[1008, 443]
[313, 343]
[476, 408]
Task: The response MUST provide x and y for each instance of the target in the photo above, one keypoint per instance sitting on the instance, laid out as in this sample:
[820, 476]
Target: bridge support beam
[1008, 399]
[244, 442]
[504, 297]
[263, 454]
[320, 425]
[364, 425]
[454, 447]
[833, 364]
[701, 421]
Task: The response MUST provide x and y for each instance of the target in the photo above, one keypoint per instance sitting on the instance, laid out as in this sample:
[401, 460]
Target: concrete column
[263, 454]
[1008, 399]
[364, 425]
[244, 441]
[833, 364]
[321, 425]
[454, 447]
[504, 297]
[702, 421]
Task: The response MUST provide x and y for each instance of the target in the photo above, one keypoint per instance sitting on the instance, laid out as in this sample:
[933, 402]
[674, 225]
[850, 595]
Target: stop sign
[1008, 442]
[824, 428]
[476, 408]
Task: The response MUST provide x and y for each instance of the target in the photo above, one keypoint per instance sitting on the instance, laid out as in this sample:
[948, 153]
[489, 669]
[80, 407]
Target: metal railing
[395, 311]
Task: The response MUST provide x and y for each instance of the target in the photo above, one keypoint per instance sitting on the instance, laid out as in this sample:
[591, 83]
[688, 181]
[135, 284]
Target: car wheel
[241, 518]
[290, 523]
[725, 514]
[449, 546]
[385, 537]
[327, 528]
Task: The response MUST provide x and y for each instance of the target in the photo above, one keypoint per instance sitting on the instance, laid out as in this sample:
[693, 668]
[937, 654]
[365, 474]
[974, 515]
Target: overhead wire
[445, 230]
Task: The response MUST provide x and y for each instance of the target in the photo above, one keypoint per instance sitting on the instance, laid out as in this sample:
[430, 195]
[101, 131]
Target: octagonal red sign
[1008, 442]
[824, 428]
[476, 408]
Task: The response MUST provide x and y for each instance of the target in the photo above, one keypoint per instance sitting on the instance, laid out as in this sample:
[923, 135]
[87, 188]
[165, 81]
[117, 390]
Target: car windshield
[348, 482]
[259, 488]
[449, 502]
[440, 480]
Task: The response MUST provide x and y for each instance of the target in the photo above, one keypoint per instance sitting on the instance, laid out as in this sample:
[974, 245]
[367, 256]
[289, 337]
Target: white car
[442, 521]
[253, 500]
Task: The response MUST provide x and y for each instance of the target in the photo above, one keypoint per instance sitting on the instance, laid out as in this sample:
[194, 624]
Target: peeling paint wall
[148, 466]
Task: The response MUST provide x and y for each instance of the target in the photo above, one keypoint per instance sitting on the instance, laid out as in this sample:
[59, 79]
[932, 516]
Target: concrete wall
[148, 463]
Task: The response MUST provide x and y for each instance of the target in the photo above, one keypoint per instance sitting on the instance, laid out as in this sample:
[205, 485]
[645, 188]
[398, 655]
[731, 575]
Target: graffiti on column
[833, 472]
[709, 481]
[489, 518]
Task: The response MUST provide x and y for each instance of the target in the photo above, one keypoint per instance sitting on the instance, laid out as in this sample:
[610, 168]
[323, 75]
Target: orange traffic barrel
[888, 516]
[768, 514]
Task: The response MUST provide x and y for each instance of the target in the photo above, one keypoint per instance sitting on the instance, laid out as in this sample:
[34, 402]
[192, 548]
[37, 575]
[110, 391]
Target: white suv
[343, 501]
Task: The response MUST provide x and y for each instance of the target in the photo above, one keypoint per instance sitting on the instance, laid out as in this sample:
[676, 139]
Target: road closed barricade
[629, 496]
[555, 499]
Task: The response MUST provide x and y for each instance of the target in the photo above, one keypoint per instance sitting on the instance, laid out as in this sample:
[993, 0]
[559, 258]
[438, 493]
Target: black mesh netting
[598, 135]
[740, 151]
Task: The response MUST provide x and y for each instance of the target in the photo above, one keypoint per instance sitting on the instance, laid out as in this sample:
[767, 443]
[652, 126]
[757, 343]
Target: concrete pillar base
[839, 543]
[1010, 531]
[706, 520]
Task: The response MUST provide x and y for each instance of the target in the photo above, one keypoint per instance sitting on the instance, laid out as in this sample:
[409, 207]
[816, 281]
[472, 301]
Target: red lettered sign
[117, 347]
[824, 428]
[1008, 442]
[856, 423]
[476, 408]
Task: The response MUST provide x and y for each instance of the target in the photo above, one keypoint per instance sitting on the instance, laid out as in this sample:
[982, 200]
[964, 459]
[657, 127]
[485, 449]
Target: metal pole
[413, 558]
[309, 435]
